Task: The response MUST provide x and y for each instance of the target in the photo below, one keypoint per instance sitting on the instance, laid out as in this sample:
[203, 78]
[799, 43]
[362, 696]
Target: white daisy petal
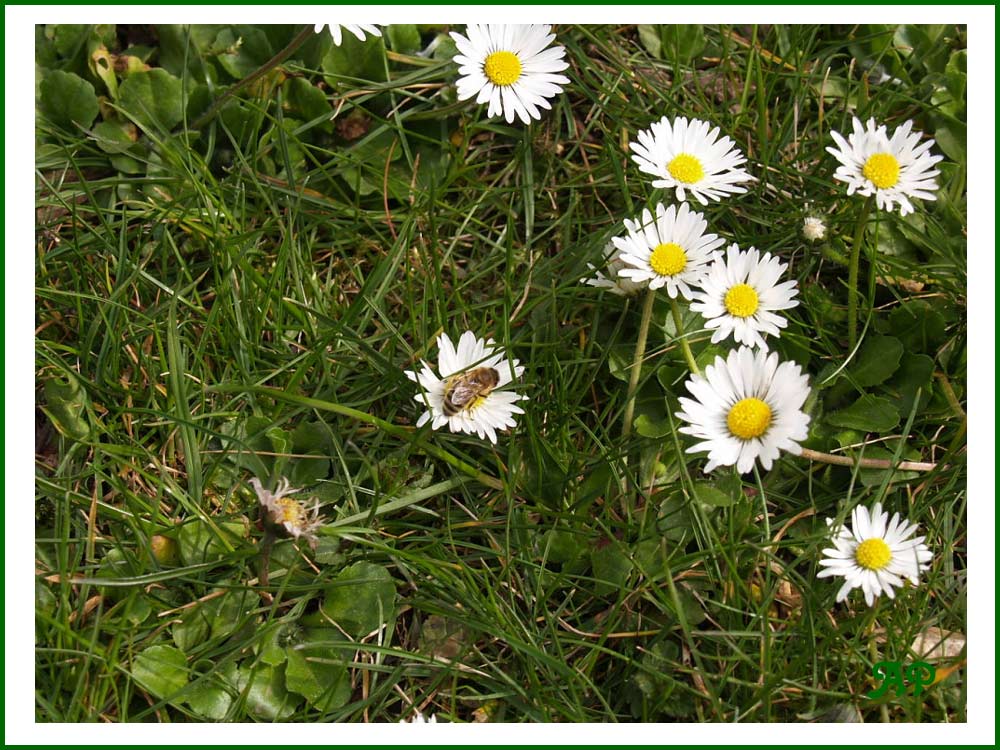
[487, 410]
[892, 169]
[357, 29]
[746, 408]
[876, 557]
[739, 295]
[687, 158]
[512, 67]
[669, 250]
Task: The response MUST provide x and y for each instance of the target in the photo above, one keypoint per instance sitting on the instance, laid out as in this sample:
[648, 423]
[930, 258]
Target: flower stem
[640, 351]
[685, 346]
[852, 279]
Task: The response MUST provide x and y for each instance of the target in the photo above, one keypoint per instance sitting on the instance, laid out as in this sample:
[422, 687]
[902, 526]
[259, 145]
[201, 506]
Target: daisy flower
[418, 718]
[509, 66]
[687, 157]
[740, 293]
[746, 407]
[464, 397]
[288, 514]
[813, 228]
[894, 169]
[614, 283]
[874, 555]
[669, 251]
[358, 29]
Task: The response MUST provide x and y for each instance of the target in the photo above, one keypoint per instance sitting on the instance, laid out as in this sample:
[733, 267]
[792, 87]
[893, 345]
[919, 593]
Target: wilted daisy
[670, 250]
[874, 556]
[613, 282]
[465, 396]
[813, 228]
[746, 407]
[509, 66]
[894, 169]
[286, 513]
[358, 29]
[688, 157]
[740, 293]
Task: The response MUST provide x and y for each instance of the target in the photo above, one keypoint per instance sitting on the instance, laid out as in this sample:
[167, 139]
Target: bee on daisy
[689, 157]
[512, 67]
[740, 295]
[669, 250]
[358, 29]
[746, 408]
[875, 555]
[464, 394]
[892, 168]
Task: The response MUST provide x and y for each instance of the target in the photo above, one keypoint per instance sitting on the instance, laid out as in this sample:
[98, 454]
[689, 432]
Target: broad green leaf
[403, 37]
[708, 494]
[115, 137]
[362, 598]
[562, 545]
[877, 359]
[682, 42]
[230, 611]
[154, 99]
[68, 100]
[868, 414]
[874, 477]
[951, 137]
[66, 405]
[199, 543]
[266, 696]
[674, 519]
[649, 37]
[209, 697]
[138, 610]
[317, 669]
[193, 628]
[288, 567]
[918, 325]
[355, 60]
[273, 649]
[916, 372]
[246, 48]
[161, 670]
[70, 38]
[652, 422]
[307, 102]
[611, 568]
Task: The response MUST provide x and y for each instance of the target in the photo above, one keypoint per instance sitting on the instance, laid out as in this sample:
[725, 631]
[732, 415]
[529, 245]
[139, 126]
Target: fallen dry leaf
[935, 643]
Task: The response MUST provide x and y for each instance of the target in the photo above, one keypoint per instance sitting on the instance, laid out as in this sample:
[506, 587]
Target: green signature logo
[918, 675]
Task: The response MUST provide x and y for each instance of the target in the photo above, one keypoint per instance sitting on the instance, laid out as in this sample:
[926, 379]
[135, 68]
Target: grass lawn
[246, 235]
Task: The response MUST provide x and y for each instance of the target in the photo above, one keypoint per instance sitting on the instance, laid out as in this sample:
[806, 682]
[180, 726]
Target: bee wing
[462, 393]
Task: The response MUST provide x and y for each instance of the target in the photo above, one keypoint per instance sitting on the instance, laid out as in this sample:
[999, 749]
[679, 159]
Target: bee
[462, 390]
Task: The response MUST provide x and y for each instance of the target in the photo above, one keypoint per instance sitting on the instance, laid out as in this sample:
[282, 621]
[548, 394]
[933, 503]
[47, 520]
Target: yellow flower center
[873, 554]
[292, 512]
[502, 68]
[686, 168]
[668, 259]
[742, 301]
[749, 418]
[882, 170]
